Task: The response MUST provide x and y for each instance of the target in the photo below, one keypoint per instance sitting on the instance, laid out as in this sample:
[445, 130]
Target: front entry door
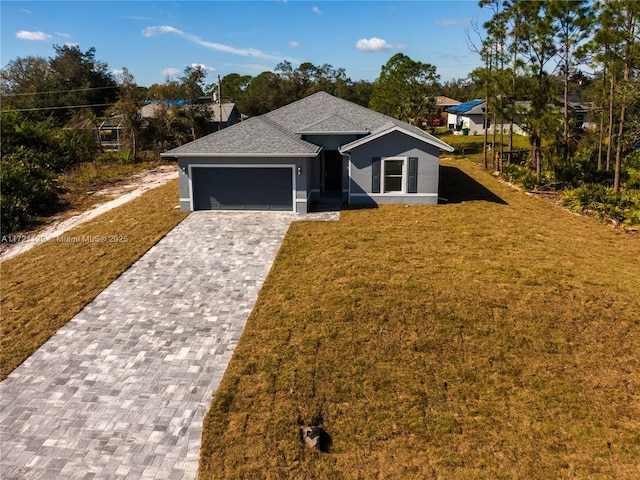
[332, 171]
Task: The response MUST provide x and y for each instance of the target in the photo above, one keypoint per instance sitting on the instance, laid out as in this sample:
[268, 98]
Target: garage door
[228, 188]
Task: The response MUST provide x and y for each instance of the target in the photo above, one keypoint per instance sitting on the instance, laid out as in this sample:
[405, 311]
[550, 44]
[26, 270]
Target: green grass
[42, 289]
[471, 146]
[492, 337]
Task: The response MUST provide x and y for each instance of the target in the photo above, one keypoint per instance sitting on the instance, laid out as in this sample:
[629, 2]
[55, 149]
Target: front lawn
[493, 337]
[44, 288]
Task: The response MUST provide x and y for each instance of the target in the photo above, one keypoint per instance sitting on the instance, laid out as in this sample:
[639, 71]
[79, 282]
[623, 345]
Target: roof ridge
[332, 115]
[282, 129]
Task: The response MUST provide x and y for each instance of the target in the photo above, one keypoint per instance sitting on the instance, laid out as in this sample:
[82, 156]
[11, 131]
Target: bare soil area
[115, 195]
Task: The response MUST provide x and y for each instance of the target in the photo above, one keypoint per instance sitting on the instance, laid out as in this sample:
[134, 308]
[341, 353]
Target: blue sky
[154, 39]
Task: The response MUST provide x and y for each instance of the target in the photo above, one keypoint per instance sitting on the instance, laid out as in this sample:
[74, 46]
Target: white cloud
[153, 31]
[63, 35]
[203, 67]
[38, 36]
[71, 44]
[169, 72]
[294, 44]
[117, 71]
[244, 52]
[375, 44]
[24, 10]
[316, 10]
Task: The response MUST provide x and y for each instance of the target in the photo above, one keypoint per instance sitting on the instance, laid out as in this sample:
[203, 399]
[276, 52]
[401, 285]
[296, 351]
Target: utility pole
[220, 103]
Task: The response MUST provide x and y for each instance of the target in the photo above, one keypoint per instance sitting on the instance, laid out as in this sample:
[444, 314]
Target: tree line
[52, 107]
[534, 54]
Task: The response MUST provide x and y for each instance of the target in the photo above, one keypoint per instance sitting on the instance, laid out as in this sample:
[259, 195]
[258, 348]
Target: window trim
[403, 182]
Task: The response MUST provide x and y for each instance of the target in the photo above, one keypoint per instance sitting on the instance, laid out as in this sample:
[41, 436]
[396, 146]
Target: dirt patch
[138, 180]
[122, 192]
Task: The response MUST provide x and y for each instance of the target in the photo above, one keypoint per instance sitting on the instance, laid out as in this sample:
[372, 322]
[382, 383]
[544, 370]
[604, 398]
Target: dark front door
[332, 171]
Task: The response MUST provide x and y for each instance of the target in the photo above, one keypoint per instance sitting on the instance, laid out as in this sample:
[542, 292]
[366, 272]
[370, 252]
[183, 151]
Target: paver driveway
[122, 389]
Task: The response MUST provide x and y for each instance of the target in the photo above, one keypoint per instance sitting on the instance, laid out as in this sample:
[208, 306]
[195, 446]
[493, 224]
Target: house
[446, 102]
[223, 115]
[219, 115]
[443, 103]
[582, 114]
[315, 147]
[468, 115]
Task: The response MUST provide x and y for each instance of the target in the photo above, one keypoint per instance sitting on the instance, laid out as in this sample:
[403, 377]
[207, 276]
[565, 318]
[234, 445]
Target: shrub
[604, 203]
[28, 189]
[631, 170]
[520, 175]
[125, 157]
[75, 146]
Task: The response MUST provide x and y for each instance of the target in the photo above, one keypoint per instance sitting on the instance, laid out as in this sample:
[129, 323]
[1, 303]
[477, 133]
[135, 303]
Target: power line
[57, 108]
[58, 91]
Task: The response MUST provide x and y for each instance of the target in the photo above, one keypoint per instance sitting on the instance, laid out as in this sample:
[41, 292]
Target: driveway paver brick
[121, 390]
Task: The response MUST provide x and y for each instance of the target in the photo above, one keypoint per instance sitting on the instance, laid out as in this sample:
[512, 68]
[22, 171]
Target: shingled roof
[280, 132]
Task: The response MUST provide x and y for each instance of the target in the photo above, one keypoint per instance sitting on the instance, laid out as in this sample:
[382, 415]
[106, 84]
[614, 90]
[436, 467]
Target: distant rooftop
[465, 107]
[443, 101]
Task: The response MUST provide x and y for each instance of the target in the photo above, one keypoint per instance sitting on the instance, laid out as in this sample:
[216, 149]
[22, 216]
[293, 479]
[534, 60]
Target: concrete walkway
[122, 389]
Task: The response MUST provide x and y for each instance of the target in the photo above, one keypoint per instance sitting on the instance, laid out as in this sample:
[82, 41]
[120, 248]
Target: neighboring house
[443, 103]
[583, 115]
[318, 146]
[152, 108]
[220, 115]
[228, 112]
[470, 115]
[446, 102]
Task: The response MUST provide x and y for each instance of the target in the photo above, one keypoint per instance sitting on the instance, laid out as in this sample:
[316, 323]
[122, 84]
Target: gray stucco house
[315, 147]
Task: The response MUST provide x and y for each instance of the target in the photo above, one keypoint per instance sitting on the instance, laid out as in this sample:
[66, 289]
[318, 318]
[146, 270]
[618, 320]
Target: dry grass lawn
[45, 287]
[80, 184]
[497, 336]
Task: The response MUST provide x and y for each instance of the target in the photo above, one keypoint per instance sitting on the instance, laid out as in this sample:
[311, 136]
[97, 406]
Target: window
[393, 175]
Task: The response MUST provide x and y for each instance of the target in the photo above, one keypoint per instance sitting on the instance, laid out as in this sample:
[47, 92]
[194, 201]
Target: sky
[156, 39]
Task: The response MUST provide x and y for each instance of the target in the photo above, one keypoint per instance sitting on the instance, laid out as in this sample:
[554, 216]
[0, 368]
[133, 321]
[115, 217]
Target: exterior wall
[313, 179]
[472, 122]
[302, 180]
[395, 144]
[517, 129]
[475, 123]
[452, 121]
[345, 179]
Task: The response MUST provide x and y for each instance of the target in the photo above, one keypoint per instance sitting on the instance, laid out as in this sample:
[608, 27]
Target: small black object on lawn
[315, 437]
